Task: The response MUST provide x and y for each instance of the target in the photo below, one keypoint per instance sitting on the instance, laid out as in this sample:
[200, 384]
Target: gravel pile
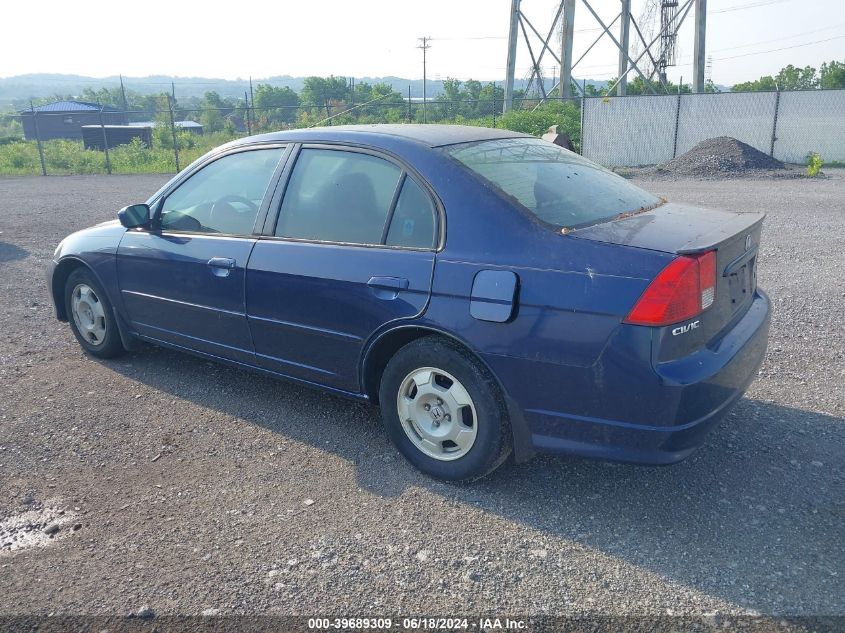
[721, 156]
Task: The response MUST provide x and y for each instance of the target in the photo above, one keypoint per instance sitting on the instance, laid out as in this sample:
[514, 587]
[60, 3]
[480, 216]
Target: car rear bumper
[696, 393]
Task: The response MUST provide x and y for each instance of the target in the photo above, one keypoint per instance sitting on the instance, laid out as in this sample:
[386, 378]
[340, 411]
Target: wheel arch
[382, 348]
[58, 280]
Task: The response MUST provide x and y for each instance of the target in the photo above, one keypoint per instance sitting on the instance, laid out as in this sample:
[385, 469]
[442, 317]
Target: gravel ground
[175, 485]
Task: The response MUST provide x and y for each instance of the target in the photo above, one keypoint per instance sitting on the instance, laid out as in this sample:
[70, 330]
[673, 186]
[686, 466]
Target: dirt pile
[721, 156]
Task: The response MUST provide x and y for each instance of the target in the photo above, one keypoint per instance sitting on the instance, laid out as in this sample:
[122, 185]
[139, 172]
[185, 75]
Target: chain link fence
[612, 131]
[648, 130]
[103, 139]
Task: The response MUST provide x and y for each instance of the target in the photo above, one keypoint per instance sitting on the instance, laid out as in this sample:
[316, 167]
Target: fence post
[105, 140]
[677, 121]
[775, 124]
[173, 133]
[246, 112]
[494, 104]
[38, 139]
[583, 111]
[410, 116]
[251, 100]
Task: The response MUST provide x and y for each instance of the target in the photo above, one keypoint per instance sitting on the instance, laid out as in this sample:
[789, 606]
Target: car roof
[429, 135]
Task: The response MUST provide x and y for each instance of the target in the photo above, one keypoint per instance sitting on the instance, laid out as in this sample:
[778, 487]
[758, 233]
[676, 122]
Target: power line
[496, 37]
[783, 48]
[778, 39]
[753, 5]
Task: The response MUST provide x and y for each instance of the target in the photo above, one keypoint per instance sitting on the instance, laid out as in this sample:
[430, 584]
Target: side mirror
[134, 215]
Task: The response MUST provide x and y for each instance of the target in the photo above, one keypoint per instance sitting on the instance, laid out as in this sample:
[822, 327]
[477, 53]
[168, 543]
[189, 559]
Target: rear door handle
[387, 287]
[221, 266]
[388, 283]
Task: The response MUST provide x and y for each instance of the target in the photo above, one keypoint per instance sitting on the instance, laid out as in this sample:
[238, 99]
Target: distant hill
[19, 89]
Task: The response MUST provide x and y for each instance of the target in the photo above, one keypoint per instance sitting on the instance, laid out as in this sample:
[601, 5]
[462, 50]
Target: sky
[379, 38]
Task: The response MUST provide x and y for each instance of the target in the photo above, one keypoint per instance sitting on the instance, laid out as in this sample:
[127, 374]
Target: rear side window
[338, 196]
[558, 186]
[412, 224]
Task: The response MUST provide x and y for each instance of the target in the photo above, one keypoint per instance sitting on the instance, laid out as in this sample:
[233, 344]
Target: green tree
[162, 133]
[758, 85]
[212, 112]
[105, 96]
[490, 97]
[832, 75]
[792, 78]
[274, 105]
[322, 91]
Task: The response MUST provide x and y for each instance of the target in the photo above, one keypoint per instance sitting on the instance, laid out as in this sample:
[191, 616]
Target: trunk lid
[682, 229]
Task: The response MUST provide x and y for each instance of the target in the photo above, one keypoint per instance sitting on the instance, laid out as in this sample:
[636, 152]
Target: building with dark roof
[189, 126]
[111, 136]
[64, 119]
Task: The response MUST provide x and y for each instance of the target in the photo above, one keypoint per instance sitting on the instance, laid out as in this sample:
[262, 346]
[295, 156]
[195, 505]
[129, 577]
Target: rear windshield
[558, 186]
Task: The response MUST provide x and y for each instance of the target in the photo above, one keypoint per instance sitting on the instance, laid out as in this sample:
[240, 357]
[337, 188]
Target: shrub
[565, 115]
[814, 164]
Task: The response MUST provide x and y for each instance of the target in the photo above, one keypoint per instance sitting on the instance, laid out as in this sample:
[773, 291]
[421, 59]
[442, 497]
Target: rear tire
[444, 411]
[90, 315]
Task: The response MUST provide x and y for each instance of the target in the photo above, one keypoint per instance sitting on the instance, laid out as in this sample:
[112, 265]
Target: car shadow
[746, 518]
[11, 253]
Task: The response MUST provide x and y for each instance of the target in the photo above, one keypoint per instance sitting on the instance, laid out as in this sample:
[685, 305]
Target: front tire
[444, 411]
[90, 315]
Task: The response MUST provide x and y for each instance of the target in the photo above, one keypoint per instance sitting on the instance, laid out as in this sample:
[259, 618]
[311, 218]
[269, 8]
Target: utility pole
[624, 27]
[424, 46]
[567, 32]
[698, 61]
[123, 92]
[251, 98]
[511, 67]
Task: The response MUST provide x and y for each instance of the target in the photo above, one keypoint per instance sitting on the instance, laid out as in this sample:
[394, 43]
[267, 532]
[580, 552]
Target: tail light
[682, 290]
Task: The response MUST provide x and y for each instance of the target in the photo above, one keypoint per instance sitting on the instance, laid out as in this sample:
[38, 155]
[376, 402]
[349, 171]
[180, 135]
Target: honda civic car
[494, 294]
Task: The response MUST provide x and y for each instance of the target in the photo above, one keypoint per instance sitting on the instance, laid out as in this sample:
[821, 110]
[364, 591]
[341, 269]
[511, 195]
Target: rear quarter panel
[572, 295]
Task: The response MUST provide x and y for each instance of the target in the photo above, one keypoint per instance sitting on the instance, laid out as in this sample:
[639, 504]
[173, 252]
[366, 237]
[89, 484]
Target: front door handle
[387, 287]
[221, 266]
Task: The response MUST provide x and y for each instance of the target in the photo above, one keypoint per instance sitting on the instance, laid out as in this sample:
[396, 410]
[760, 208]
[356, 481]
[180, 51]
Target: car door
[350, 250]
[182, 281]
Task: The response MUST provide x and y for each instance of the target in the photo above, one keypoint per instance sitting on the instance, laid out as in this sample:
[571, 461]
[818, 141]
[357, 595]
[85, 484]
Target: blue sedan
[495, 294]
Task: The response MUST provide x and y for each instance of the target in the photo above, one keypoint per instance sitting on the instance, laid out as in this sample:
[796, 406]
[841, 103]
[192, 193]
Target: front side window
[224, 196]
[338, 196]
[558, 186]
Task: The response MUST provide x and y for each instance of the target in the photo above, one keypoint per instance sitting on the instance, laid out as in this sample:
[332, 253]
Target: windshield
[558, 186]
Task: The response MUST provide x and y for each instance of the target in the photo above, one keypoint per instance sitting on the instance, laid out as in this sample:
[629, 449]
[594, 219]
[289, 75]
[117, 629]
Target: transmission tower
[668, 36]
[649, 55]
